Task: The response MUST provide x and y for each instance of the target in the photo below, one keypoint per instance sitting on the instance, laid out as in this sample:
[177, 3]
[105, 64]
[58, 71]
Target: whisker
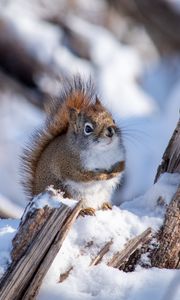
[136, 135]
[131, 139]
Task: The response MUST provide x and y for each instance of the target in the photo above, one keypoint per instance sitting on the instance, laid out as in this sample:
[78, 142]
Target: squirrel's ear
[98, 102]
[73, 114]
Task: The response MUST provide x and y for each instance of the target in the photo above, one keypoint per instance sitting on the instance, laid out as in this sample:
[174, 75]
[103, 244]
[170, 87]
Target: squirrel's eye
[88, 128]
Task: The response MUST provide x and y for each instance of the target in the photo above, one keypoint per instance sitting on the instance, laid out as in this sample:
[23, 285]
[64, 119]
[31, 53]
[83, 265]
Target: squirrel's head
[92, 126]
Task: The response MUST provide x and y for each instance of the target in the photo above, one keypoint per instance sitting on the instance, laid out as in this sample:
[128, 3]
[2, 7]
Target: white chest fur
[93, 193]
[99, 156]
[103, 156]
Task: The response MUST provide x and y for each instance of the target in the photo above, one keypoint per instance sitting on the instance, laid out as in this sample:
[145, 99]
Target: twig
[120, 257]
[95, 261]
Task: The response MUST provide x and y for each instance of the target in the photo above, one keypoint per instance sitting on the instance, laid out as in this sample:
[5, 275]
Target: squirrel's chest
[93, 193]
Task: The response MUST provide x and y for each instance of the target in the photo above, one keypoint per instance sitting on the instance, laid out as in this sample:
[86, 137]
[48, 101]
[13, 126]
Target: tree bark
[167, 255]
[38, 240]
[171, 157]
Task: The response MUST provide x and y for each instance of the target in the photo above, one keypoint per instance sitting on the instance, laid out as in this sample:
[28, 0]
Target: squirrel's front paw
[87, 211]
[106, 206]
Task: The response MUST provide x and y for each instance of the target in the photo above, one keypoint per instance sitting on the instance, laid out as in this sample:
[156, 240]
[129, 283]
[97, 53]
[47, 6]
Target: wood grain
[24, 276]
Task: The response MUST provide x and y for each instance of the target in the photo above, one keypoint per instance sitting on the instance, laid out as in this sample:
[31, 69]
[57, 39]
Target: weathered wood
[96, 260]
[34, 286]
[30, 225]
[171, 157]
[24, 276]
[167, 255]
[120, 257]
[65, 275]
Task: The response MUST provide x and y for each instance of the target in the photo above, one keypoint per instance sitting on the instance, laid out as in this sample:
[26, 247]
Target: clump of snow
[102, 283]
[7, 232]
[164, 188]
[51, 198]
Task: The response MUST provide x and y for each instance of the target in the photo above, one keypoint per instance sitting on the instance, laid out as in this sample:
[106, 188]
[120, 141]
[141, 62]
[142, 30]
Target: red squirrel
[78, 150]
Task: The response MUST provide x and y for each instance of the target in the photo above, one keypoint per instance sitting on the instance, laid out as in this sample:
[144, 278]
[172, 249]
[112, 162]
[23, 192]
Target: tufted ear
[98, 103]
[73, 117]
[73, 114]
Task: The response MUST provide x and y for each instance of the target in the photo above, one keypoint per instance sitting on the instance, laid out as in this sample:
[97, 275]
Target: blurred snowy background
[131, 49]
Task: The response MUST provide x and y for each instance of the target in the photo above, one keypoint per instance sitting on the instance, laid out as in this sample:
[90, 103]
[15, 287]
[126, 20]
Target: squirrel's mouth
[103, 142]
[110, 141]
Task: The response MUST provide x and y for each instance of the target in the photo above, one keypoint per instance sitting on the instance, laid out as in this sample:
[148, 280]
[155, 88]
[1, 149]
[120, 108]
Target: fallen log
[38, 240]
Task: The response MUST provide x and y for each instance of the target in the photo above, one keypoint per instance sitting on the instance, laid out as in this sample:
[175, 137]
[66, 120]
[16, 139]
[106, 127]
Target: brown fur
[40, 166]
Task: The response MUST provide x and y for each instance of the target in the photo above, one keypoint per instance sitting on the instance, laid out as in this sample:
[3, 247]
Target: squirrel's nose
[110, 132]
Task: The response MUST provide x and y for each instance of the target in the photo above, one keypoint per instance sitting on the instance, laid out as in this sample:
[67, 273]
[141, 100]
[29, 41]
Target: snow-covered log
[41, 233]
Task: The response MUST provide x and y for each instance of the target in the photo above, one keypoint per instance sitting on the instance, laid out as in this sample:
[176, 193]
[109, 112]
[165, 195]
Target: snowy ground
[101, 281]
[144, 99]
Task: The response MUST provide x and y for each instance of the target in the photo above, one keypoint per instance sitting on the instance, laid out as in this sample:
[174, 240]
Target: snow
[108, 283]
[88, 235]
[119, 66]
[17, 120]
[51, 198]
[7, 232]
[9, 208]
[144, 99]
